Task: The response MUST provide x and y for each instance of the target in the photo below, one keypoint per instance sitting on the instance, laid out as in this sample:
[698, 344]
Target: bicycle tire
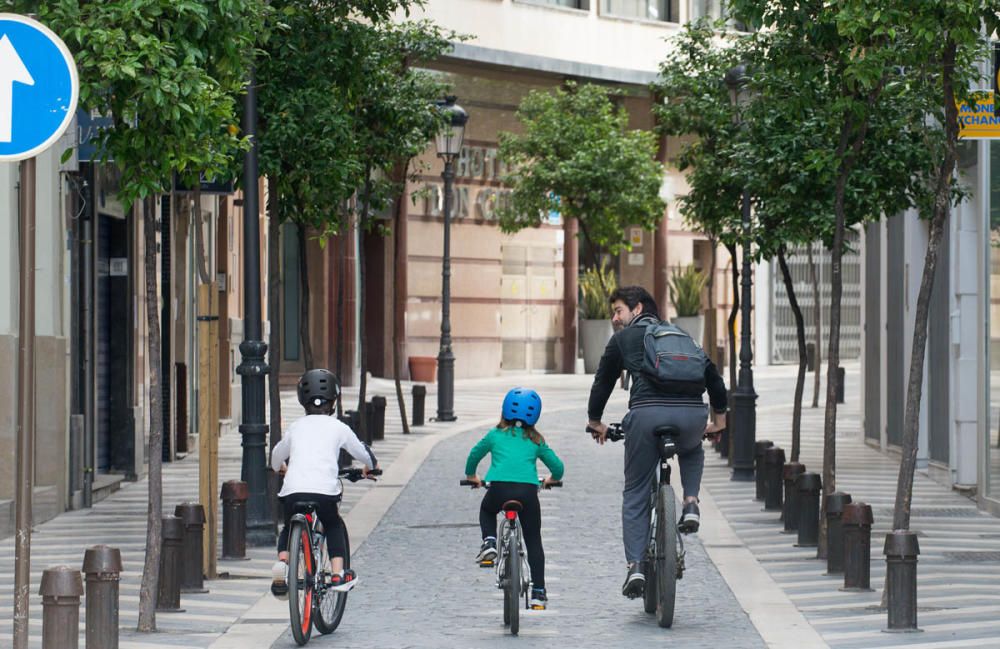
[666, 556]
[514, 579]
[331, 603]
[649, 561]
[300, 588]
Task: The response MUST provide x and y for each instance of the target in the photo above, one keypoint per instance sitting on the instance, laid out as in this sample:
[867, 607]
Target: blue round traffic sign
[38, 87]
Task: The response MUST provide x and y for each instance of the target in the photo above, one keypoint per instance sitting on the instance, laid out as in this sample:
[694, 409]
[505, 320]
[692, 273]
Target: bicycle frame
[510, 525]
[668, 449]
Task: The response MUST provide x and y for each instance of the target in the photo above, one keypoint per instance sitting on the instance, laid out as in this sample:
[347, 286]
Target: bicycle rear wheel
[512, 595]
[300, 582]
[330, 603]
[666, 555]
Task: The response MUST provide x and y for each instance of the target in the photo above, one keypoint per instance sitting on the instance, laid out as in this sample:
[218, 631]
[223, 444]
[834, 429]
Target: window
[571, 4]
[665, 10]
[714, 10]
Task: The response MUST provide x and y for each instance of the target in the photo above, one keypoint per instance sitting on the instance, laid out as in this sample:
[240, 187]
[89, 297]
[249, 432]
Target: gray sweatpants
[642, 458]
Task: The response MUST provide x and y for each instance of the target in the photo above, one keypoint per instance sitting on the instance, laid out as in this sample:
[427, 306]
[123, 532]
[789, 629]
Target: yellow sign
[976, 119]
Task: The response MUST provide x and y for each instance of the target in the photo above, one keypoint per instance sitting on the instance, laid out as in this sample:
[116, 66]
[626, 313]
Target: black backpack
[672, 361]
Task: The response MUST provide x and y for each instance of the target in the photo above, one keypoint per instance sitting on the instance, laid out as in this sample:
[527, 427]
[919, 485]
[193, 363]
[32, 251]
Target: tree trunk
[201, 261]
[274, 308]
[731, 334]
[711, 318]
[733, 314]
[914, 388]
[800, 331]
[151, 567]
[818, 328]
[362, 277]
[307, 353]
[398, 324]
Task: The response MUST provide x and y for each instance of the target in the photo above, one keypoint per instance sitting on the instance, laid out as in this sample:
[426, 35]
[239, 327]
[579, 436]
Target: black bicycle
[513, 575]
[663, 562]
[312, 598]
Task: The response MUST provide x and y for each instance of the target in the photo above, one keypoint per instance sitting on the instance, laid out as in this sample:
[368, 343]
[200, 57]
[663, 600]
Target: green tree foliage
[169, 74]
[576, 156]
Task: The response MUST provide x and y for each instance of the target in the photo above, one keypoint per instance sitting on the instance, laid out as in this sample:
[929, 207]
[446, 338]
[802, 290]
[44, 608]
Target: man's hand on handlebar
[370, 473]
[598, 431]
[715, 427]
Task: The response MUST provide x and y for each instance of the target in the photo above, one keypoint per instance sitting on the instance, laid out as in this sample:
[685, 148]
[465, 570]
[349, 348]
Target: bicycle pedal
[489, 563]
[537, 608]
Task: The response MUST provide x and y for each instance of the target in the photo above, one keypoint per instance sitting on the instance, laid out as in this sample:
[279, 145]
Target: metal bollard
[857, 523]
[169, 593]
[61, 589]
[810, 357]
[102, 566]
[419, 395]
[841, 375]
[835, 503]
[759, 447]
[234, 519]
[810, 485]
[790, 507]
[774, 460]
[724, 442]
[901, 550]
[376, 418]
[192, 577]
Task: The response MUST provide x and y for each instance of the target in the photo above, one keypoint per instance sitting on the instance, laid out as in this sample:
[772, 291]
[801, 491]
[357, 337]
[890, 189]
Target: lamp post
[260, 526]
[449, 145]
[744, 413]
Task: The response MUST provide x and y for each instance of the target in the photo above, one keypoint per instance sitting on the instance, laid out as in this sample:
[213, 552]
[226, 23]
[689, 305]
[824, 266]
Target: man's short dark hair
[633, 295]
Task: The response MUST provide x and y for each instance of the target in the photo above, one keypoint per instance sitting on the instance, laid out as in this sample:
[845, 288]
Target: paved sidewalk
[959, 566]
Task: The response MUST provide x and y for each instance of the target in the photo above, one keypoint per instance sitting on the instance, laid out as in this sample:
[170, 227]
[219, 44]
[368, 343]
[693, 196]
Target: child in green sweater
[515, 446]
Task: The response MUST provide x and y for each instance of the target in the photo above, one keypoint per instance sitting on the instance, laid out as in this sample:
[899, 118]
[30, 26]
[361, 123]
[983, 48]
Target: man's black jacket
[625, 352]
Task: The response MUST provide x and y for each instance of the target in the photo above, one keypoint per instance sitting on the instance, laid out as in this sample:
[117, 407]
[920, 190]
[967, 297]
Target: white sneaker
[279, 580]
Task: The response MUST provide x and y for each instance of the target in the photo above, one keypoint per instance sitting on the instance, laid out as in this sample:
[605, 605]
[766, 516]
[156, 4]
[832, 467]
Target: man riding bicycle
[651, 405]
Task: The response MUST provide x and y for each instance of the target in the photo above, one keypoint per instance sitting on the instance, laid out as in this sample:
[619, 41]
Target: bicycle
[312, 600]
[512, 576]
[663, 563]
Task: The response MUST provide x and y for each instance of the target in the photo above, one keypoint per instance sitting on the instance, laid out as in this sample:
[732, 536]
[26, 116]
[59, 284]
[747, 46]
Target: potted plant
[685, 292]
[596, 286]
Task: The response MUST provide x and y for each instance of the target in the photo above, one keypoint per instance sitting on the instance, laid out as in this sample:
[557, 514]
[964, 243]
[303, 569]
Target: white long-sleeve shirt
[311, 446]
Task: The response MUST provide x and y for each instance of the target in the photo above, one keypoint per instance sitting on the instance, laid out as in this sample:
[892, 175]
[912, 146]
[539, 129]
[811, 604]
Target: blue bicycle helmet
[522, 404]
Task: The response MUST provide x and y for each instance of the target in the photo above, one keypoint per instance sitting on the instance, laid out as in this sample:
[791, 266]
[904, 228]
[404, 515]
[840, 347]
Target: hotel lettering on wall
[478, 190]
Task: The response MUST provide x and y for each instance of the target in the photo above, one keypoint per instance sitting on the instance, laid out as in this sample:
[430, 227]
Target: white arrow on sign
[11, 70]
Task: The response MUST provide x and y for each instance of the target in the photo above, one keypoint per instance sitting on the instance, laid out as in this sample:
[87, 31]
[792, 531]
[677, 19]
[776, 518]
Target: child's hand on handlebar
[548, 482]
[476, 479]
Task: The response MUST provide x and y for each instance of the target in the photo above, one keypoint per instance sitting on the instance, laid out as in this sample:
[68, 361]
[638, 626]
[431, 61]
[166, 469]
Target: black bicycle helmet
[318, 384]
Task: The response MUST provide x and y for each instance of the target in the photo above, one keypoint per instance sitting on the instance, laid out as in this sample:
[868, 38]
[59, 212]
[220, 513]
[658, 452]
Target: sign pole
[25, 404]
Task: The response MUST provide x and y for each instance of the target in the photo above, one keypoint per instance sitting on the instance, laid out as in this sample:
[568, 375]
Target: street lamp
[449, 145]
[744, 413]
[253, 368]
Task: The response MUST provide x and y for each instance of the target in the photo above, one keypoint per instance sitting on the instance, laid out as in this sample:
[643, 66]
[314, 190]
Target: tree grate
[931, 512]
[973, 556]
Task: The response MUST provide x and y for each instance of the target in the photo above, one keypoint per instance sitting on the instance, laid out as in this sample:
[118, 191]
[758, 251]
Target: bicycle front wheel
[512, 596]
[330, 603]
[666, 555]
[300, 582]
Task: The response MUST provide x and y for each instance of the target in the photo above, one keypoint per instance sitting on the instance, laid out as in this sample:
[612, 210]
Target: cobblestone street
[420, 587]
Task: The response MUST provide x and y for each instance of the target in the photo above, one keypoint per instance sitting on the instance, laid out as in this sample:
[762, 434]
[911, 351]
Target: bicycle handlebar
[475, 485]
[355, 473]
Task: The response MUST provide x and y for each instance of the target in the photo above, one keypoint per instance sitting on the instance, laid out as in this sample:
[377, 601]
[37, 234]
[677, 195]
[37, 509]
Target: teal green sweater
[513, 457]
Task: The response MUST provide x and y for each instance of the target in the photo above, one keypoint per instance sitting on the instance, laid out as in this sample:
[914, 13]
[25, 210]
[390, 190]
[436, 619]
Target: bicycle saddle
[512, 506]
[666, 431]
[305, 507]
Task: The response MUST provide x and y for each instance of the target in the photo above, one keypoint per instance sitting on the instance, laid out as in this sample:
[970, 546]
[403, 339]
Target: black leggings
[530, 516]
[326, 509]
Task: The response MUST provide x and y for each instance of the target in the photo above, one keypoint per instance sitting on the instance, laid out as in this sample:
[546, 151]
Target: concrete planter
[594, 335]
[694, 326]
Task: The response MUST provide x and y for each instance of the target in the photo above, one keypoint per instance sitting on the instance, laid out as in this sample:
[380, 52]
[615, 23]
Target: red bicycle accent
[511, 515]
